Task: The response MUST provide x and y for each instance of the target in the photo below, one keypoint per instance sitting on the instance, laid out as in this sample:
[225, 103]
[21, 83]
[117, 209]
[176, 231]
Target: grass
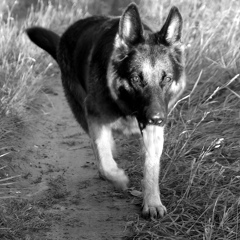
[30, 218]
[23, 65]
[200, 175]
[23, 68]
[22, 219]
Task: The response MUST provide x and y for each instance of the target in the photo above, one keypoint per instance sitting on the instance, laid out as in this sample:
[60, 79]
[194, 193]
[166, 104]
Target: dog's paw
[118, 178]
[153, 211]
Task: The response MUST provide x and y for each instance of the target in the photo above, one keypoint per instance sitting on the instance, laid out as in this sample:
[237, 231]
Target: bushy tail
[45, 39]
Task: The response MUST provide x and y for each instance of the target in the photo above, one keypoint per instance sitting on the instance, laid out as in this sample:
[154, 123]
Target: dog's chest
[126, 126]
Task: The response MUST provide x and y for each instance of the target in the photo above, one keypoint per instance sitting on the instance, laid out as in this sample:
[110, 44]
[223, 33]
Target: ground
[59, 169]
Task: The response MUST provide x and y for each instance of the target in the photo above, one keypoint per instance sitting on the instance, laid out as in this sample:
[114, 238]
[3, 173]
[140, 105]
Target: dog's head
[146, 71]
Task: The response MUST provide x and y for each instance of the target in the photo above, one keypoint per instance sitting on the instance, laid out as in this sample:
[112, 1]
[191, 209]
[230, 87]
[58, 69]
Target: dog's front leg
[102, 144]
[153, 138]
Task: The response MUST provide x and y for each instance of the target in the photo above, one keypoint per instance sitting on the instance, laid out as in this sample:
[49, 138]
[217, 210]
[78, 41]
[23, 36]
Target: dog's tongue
[153, 139]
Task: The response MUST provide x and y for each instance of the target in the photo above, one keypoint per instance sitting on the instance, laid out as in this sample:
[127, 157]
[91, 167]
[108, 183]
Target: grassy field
[23, 68]
[200, 175]
[20, 75]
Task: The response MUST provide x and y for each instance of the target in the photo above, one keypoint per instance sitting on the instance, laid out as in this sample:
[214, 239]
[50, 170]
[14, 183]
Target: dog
[119, 75]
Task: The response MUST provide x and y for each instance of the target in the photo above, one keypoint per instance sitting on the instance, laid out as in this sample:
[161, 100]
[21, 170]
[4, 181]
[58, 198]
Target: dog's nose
[156, 119]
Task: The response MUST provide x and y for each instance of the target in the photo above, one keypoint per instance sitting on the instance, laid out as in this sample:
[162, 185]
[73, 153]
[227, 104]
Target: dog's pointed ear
[172, 29]
[130, 26]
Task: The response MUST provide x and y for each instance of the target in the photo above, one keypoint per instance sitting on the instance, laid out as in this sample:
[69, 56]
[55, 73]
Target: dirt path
[59, 157]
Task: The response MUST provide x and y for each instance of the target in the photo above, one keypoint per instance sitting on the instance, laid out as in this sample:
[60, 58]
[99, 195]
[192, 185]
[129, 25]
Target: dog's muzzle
[156, 119]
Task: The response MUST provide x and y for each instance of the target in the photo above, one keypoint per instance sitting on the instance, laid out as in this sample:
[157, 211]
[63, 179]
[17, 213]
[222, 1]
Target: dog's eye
[135, 79]
[167, 79]
[165, 83]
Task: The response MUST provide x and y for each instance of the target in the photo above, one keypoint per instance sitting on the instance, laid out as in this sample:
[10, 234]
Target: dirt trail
[58, 151]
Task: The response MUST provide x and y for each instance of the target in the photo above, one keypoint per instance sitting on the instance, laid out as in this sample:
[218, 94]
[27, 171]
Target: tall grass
[23, 68]
[200, 175]
[22, 65]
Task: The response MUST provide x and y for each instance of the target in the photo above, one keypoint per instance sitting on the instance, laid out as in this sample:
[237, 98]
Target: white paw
[118, 178]
[153, 210]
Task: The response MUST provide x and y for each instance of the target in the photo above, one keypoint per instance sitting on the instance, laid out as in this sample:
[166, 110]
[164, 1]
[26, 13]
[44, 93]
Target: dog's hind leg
[153, 146]
[102, 143]
[75, 95]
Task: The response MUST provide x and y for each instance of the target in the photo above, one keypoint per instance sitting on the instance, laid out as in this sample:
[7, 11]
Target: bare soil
[60, 172]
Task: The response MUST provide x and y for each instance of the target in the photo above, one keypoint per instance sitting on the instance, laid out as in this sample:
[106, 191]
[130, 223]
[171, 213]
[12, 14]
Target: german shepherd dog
[119, 75]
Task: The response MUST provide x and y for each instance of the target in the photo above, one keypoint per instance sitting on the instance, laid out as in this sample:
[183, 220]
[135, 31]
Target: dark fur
[115, 70]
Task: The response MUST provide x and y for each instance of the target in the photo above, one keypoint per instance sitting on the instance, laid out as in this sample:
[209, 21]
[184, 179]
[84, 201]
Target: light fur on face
[177, 89]
[150, 72]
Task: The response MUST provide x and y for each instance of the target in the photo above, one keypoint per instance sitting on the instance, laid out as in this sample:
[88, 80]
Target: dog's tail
[45, 39]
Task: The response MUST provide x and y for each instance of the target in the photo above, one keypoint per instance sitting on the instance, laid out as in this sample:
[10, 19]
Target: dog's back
[88, 40]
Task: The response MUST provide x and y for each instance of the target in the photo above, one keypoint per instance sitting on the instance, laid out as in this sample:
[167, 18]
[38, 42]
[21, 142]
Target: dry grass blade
[8, 178]
[221, 87]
